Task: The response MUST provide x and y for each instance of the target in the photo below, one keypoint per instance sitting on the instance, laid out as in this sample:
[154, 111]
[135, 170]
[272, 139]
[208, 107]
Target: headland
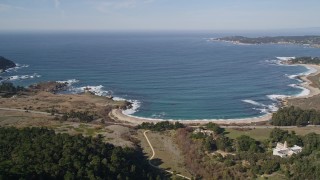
[312, 41]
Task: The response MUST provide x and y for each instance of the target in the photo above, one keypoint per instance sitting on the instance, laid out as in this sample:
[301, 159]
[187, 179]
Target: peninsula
[6, 64]
[312, 41]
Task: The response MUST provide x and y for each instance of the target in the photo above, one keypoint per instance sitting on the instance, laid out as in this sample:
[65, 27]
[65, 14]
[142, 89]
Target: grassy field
[262, 134]
[167, 153]
[114, 134]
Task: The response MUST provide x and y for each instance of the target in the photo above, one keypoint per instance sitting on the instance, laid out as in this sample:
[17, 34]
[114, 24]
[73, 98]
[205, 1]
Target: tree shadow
[156, 162]
[225, 133]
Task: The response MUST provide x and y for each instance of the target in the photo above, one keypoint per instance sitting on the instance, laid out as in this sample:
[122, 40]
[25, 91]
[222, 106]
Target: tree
[215, 128]
[224, 143]
[39, 153]
[209, 144]
[246, 143]
[311, 142]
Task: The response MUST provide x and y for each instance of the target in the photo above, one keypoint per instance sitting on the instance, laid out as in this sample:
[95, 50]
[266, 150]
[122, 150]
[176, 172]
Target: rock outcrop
[50, 86]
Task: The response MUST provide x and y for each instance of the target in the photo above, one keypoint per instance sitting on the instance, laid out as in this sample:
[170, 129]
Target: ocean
[166, 75]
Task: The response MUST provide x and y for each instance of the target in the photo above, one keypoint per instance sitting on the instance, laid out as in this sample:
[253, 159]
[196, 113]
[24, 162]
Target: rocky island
[6, 64]
[313, 41]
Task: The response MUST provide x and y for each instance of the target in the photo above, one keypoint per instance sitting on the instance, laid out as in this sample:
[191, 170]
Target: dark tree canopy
[292, 116]
[7, 89]
[160, 126]
[215, 128]
[39, 153]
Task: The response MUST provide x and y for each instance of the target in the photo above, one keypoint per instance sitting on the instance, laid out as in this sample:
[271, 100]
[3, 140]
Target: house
[204, 131]
[283, 150]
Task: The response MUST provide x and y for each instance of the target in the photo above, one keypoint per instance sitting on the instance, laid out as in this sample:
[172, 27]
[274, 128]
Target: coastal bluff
[6, 64]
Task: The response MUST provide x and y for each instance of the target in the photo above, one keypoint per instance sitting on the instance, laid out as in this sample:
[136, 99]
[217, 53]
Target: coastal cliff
[6, 64]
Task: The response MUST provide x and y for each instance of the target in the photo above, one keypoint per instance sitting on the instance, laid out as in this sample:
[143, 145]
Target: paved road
[153, 154]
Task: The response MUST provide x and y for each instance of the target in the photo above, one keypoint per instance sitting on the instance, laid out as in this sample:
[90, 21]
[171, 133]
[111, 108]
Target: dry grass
[45, 101]
[168, 155]
[311, 102]
[113, 134]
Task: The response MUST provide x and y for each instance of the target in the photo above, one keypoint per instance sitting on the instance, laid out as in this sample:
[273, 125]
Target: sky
[158, 14]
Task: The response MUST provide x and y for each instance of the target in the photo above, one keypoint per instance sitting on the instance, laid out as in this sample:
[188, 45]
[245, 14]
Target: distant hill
[313, 41]
[6, 64]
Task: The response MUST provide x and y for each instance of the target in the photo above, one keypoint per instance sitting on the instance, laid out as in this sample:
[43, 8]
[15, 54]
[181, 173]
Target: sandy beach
[117, 114]
[307, 83]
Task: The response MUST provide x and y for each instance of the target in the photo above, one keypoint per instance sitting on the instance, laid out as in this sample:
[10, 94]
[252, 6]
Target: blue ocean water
[169, 75]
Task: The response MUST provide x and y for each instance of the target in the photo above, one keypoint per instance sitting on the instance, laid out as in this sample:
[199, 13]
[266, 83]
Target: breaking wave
[21, 77]
[264, 109]
[135, 106]
[18, 66]
[69, 82]
[96, 90]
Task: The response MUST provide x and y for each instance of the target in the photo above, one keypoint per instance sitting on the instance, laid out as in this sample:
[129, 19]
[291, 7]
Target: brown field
[306, 103]
[315, 80]
[310, 102]
[46, 101]
[114, 134]
[167, 154]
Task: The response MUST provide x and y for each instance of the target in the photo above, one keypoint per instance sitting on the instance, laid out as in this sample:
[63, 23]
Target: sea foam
[277, 97]
[135, 106]
[264, 109]
[253, 102]
[160, 115]
[97, 90]
[304, 91]
[18, 66]
[21, 77]
[285, 58]
[69, 82]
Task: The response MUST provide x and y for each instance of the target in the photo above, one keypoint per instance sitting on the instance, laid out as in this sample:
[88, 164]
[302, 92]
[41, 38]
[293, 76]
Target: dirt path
[153, 154]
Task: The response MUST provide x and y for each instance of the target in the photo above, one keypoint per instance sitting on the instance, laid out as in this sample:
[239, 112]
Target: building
[204, 131]
[283, 150]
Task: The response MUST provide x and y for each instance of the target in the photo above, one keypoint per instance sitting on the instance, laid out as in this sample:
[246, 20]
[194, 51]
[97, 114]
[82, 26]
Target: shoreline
[118, 114]
[306, 83]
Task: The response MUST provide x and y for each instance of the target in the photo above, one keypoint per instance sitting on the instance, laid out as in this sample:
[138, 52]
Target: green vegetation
[247, 158]
[82, 116]
[305, 60]
[246, 143]
[257, 134]
[292, 116]
[214, 127]
[279, 135]
[302, 40]
[8, 89]
[38, 153]
[160, 126]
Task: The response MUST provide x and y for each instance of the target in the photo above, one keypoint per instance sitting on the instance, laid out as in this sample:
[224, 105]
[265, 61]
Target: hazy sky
[158, 14]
